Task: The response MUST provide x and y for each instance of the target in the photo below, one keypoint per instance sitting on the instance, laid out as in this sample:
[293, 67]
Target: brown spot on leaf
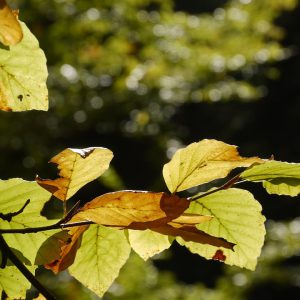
[20, 97]
[219, 255]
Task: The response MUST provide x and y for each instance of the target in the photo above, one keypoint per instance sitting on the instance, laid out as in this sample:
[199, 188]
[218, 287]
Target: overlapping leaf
[99, 259]
[77, 167]
[202, 162]
[159, 212]
[23, 75]
[10, 28]
[278, 177]
[66, 250]
[238, 219]
[133, 209]
[14, 193]
[148, 243]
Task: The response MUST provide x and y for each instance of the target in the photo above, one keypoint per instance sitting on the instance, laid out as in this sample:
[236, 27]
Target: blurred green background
[146, 77]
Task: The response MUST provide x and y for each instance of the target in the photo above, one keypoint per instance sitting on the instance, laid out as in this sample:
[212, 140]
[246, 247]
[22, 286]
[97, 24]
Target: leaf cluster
[93, 241]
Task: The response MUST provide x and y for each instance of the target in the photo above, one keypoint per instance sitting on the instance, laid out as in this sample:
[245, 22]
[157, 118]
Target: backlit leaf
[23, 75]
[13, 282]
[98, 261]
[159, 212]
[238, 219]
[77, 167]
[10, 28]
[148, 243]
[67, 250]
[14, 193]
[133, 209]
[202, 162]
[278, 177]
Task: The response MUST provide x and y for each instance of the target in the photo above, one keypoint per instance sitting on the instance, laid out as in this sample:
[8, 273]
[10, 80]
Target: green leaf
[77, 167]
[148, 243]
[14, 193]
[238, 219]
[278, 177]
[23, 75]
[14, 283]
[98, 261]
[202, 162]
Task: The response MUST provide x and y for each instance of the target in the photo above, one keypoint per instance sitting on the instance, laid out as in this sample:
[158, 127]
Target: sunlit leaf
[23, 74]
[10, 28]
[202, 162]
[67, 250]
[98, 261]
[14, 193]
[148, 243]
[159, 212]
[13, 282]
[77, 167]
[278, 177]
[133, 209]
[238, 219]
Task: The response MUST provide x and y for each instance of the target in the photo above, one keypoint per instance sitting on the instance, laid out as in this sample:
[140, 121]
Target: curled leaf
[68, 249]
[77, 167]
[202, 162]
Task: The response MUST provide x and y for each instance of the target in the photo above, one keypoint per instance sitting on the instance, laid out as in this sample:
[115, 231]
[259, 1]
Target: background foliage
[144, 77]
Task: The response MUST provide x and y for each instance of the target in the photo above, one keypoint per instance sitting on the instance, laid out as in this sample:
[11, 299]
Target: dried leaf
[192, 234]
[202, 162]
[10, 28]
[133, 209]
[77, 167]
[68, 248]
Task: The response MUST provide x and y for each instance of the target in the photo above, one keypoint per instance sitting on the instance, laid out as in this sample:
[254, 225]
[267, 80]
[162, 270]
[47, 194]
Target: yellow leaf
[77, 167]
[202, 162]
[10, 28]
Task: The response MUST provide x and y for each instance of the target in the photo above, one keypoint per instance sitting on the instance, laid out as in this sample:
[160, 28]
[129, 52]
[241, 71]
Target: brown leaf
[219, 255]
[68, 250]
[192, 234]
[10, 28]
[134, 209]
[77, 167]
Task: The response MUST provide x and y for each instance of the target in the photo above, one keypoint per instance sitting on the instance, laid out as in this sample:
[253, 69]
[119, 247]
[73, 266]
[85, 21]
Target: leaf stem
[234, 180]
[21, 267]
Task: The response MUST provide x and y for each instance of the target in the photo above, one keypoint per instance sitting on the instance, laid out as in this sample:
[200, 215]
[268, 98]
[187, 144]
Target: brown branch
[57, 225]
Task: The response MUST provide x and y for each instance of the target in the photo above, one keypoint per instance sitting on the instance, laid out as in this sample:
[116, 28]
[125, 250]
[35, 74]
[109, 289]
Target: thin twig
[57, 225]
[234, 180]
[9, 216]
[29, 276]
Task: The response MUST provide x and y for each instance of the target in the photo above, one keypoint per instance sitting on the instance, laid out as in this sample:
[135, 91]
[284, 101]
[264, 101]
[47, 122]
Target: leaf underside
[238, 219]
[23, 75]
[278, 177]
